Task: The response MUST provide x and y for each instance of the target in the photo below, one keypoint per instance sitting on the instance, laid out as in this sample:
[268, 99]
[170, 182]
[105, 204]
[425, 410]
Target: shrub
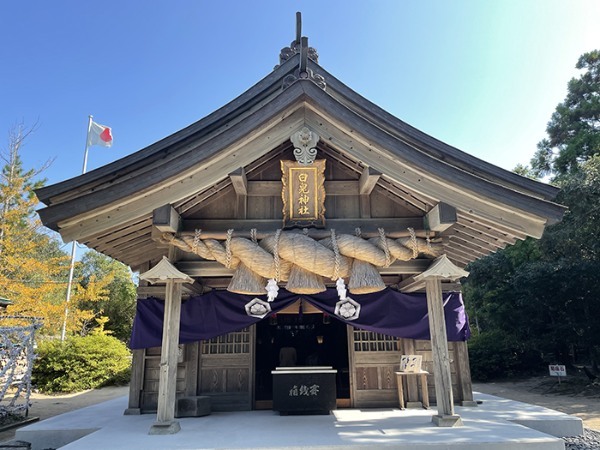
[495, 354]
[81, 363]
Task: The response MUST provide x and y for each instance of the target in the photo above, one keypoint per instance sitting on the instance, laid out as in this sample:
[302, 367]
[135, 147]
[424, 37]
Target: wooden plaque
[303, 194]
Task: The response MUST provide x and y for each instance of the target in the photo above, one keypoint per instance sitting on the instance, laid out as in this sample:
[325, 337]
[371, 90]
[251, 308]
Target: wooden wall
[375, 357]
[264, 202]
[223, 368]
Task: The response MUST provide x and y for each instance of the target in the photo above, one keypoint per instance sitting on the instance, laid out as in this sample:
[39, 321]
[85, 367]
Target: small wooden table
[424, 392]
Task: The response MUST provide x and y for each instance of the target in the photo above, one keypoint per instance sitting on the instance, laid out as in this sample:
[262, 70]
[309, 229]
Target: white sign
[410, 363]
[557, 370]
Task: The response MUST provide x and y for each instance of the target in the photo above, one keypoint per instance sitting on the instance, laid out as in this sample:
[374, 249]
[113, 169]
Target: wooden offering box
[304, 390]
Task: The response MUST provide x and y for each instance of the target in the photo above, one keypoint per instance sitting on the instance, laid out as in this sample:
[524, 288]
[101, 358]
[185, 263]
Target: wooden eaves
[110, 207]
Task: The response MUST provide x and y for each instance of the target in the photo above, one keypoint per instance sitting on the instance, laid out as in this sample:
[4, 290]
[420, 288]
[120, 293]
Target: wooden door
[374, 358]
[226, 367]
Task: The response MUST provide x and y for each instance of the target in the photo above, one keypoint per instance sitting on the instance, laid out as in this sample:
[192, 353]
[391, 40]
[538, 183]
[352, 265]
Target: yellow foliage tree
[33, 267]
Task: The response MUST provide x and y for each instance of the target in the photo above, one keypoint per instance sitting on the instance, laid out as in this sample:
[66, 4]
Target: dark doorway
[317, 340]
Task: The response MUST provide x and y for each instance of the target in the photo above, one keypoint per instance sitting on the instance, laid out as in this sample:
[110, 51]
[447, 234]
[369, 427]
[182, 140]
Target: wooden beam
[166, 219]
[411, 285]
[140, 236]
[466, 246]
[273, 188]
[394, 228]
[462, 253]
[239, 181]
[215, 269]
[456, 259]
[494, 226]
[159, 291]
[485, 233]
[121, 230]
[367, 182]
[240, 185]
[195, 288]
[478, 238]
[368, 179]
[441, 217]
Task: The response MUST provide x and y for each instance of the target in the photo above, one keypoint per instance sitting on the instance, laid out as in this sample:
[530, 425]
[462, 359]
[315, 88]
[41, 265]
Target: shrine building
[299, 230]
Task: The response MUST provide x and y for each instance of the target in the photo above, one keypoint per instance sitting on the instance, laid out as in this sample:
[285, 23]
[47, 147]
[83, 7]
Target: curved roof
[122, 195]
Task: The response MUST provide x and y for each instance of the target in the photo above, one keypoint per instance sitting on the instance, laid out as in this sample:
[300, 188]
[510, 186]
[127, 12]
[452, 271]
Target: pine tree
[574, 128]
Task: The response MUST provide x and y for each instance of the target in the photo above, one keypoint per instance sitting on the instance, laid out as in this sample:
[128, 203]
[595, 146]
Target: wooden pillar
[441, 268]
[167, 384]
[165, 415]
[135, 385]
[134, 405]
[464, 374]
[441, 358]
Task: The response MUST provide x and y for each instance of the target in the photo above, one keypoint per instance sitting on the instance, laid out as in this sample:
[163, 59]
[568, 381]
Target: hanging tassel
[246, 281]
[302, 281]
[364, 278]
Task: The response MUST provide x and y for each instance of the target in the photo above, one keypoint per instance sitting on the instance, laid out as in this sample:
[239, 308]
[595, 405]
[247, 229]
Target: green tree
[537, 300]
[574, 128]
[119, 303]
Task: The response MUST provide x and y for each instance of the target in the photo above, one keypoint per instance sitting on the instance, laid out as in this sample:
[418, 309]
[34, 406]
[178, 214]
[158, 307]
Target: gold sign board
[303, 194]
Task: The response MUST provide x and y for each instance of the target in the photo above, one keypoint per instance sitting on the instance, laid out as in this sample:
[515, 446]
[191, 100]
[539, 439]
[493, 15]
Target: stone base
[414, 404]
[447, 421]
[165, 427]
[196, 406]
[469, 403]
[132, 412]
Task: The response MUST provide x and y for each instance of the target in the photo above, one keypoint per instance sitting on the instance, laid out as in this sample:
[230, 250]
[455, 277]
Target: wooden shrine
[298, 183]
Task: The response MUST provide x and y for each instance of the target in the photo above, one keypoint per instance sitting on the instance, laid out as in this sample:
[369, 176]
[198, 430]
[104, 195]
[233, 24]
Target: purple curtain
[220, 312]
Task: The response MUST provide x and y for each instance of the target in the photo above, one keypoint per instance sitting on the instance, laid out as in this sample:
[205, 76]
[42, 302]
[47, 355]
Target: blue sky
[481, 75]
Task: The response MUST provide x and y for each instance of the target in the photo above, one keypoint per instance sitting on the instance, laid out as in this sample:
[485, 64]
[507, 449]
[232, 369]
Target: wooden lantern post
[164, 271]
[442, 268]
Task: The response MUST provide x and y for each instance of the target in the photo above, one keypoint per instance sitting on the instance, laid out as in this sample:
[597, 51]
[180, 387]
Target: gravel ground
[590, 440]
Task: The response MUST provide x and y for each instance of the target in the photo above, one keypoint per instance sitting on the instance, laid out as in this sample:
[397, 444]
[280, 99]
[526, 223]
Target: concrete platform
[495, 424]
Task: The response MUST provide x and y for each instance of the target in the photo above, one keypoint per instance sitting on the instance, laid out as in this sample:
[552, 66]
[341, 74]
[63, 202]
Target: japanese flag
[99, 135]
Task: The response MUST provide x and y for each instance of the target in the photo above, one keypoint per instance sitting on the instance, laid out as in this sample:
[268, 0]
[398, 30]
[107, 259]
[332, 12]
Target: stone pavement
[496, 423]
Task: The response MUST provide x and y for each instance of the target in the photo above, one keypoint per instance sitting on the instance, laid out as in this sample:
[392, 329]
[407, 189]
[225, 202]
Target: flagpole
[74, 246]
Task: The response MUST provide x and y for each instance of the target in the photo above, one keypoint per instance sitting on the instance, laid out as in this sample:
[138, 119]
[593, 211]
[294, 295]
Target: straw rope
[331, 258]
[228, 254]
[336, 252]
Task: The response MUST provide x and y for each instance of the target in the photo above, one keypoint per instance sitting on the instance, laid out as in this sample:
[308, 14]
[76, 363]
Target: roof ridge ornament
[305, 143]
[300, 46]
[296, 45]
